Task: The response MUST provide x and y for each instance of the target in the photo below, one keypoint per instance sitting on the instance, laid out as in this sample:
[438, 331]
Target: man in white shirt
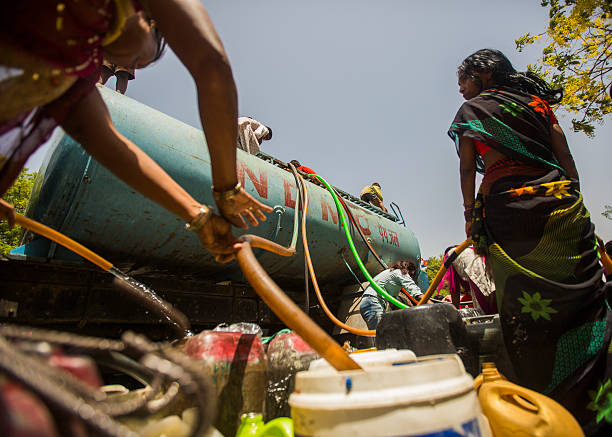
[251, 134]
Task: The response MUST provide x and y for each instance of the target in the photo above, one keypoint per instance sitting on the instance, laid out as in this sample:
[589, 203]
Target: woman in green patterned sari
[530, 220]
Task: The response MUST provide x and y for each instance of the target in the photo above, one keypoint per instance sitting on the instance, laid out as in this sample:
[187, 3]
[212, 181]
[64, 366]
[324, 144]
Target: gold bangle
[227, 194]
[199, 220]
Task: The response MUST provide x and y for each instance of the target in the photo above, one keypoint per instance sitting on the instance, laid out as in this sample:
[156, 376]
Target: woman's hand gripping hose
[216, 236]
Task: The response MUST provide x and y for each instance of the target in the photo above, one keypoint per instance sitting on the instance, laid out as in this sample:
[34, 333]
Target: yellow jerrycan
[513, 410]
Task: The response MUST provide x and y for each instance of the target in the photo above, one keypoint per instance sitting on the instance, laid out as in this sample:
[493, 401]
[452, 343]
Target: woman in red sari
[50, 60]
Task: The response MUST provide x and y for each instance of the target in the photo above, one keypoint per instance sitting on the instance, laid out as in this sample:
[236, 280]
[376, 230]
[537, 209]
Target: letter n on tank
[326, 209]
[261, 184]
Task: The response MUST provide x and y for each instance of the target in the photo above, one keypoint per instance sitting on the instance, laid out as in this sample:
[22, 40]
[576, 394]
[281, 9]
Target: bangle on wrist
[227, 194]
[199, 220]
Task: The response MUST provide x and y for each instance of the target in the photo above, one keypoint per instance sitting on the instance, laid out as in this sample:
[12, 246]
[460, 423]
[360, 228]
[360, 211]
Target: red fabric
[36, 127]
[70, 38]
[305, 169]
[481, 148]
[538, 105]
[74, 43]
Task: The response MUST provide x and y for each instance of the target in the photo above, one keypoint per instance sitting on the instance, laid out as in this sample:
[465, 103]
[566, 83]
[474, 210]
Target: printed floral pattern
[539, 105]
[558, 189]
[536, 306]
[512, 108]
[601, 401]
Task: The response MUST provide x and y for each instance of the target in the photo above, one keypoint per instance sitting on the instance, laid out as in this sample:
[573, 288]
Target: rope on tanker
[280, 210]
[351, 270]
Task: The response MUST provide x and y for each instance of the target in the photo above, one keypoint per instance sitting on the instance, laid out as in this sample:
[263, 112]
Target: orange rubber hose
[330, 315]
[441, 272]
[65, 241]
[605, 259]
[284, 307]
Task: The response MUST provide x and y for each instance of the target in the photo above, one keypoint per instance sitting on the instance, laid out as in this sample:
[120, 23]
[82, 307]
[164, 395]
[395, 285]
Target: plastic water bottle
[252, 425]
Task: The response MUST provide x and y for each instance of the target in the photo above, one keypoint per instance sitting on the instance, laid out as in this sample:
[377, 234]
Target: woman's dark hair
[503, 72]
[448, 249]
[405, 266]
[161, 41]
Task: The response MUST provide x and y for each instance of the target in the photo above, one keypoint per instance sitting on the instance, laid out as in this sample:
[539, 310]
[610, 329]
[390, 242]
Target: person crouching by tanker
[400, 275]
[373, 195]
[50, 61]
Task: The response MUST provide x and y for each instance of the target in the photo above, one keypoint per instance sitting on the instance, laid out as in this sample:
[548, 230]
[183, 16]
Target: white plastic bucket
[387, 357]
[432, 396]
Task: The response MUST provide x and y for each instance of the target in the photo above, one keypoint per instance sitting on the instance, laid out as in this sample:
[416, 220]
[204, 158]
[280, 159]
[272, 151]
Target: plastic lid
[428, 379]
[386, 357]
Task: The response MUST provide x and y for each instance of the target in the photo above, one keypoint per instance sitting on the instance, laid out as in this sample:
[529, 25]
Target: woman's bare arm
[467, 169]
[89, 124]
[467, 174]
[189, 31]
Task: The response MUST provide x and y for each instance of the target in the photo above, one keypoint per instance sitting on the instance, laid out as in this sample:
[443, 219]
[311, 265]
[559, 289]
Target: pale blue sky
[364, 91]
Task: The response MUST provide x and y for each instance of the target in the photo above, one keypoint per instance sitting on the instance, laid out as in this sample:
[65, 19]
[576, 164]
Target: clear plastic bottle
[252, 425]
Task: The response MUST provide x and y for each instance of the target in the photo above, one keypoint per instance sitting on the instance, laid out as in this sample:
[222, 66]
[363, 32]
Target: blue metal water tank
[77, 196]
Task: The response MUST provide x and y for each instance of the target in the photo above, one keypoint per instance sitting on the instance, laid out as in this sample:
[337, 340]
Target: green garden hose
[373, 283]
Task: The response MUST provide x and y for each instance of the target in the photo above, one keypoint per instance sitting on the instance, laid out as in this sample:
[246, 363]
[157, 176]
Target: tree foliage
[607, 212]
[577, 57]
[18, 195]
[433, 265]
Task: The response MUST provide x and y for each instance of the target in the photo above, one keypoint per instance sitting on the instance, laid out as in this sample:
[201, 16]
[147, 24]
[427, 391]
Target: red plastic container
[238, 366]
